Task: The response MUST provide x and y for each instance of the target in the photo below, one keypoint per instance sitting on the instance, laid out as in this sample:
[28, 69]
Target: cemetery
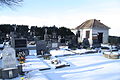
[57, 57]
[59, 40]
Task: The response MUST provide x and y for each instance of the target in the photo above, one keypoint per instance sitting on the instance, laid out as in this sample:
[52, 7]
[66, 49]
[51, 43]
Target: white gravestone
[8, 57]
[54, 45]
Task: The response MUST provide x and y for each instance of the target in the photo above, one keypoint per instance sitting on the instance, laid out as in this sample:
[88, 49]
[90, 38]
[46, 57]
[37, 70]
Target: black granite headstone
[0, 73]
[9, 73]
[85, 43]
[20, 45]
[20, 69]
[96, 44]
[72, 43]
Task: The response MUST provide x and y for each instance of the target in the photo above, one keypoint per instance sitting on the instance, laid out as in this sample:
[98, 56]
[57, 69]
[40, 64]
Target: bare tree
[10, 2]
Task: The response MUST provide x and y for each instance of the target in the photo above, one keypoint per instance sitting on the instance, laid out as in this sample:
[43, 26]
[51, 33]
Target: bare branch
[10, 3]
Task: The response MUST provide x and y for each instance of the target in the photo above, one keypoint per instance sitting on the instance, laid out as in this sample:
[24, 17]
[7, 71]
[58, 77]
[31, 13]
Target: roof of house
[92, 23]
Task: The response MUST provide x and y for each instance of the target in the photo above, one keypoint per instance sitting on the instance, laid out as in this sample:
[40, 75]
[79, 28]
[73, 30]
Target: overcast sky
[68, 13]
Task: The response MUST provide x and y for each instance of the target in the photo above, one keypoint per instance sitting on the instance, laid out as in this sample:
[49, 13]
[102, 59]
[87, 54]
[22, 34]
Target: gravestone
[72, 43]
[49, 44]
[55, 45]
[20, 45]
[45, 35]
[96, 43]
[62, 42]
[59, 39]
[0, 73]
[41, 47]
[9, 57]
[9, 68]
[86, 43]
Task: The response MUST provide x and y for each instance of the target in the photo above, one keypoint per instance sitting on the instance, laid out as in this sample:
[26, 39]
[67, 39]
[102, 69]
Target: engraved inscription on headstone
[9, 58]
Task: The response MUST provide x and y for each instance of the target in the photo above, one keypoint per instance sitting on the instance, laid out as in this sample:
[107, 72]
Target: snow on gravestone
[9, 59]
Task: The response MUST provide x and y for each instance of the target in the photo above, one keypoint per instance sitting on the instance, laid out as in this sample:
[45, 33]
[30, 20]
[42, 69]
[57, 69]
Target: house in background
[93, 30]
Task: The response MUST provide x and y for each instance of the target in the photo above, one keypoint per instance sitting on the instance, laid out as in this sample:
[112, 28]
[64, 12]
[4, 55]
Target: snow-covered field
[82, 67]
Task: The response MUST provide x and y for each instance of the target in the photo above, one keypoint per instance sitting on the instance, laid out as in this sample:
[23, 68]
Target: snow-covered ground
[82, 67]
[34, 63]
[87, 67]
[58, 53]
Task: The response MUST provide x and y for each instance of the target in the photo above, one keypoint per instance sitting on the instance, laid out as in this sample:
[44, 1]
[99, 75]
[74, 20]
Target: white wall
[94, 31]
[83, 35]
[105, 33]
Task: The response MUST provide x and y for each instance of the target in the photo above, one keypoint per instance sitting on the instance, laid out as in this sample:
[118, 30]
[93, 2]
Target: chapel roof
[91, 24]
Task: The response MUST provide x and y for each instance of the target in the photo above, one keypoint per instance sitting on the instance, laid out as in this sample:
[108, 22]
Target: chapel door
[100, 37]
